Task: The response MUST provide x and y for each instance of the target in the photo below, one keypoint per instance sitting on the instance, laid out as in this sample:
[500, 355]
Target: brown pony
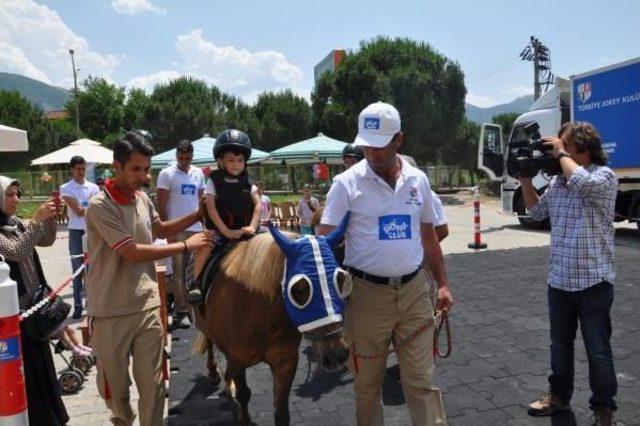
[244, 315]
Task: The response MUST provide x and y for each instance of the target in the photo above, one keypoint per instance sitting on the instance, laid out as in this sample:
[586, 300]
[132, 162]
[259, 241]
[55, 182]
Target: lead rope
[443, 316]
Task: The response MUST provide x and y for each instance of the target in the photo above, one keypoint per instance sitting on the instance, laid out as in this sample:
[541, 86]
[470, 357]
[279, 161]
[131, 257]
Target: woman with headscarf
[17, 244]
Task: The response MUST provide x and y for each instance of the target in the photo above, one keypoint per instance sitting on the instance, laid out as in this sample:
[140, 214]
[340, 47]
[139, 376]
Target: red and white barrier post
[13, 394]
[477, 243]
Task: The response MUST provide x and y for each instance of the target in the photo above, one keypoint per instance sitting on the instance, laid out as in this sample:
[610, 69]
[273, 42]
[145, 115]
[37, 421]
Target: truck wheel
[526, 221]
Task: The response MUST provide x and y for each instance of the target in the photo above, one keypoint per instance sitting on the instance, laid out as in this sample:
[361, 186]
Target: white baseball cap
[377, 124]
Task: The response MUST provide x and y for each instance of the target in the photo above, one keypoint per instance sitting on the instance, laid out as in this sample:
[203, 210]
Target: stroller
[71, 378]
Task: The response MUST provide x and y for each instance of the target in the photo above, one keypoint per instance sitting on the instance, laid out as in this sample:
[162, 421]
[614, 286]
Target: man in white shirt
[180, 188]
[440, 223]
[76, 194]
[393, 254]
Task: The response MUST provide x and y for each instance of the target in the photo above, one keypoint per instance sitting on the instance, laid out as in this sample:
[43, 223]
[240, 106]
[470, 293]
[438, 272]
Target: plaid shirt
[581, 213]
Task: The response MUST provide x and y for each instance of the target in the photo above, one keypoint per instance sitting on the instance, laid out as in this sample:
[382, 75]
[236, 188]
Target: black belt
[383, 280]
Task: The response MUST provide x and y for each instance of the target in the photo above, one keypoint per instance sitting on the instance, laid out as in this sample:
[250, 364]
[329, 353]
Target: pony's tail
[200, 344]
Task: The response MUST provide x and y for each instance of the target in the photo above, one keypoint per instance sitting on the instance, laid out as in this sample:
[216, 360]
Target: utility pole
[75, 91]
[540, 55]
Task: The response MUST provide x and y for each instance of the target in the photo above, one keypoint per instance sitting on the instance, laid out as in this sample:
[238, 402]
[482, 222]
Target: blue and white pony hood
[309, 261]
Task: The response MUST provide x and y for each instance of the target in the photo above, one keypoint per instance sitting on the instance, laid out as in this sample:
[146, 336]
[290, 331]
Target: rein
[323, 337]
[441, 319]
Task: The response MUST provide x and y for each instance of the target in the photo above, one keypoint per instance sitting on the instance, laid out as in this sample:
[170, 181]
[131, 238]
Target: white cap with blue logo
[377, 124]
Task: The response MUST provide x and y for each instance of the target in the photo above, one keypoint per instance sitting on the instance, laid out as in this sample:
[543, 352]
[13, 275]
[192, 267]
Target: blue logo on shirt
[394, 227]
[188, 189]
[372, 123]
[84, 203]
[9, 349]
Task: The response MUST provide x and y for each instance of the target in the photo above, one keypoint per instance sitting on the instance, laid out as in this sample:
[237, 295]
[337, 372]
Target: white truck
[609, 98]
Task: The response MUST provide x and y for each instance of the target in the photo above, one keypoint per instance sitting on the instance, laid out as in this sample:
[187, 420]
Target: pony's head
[314, 290]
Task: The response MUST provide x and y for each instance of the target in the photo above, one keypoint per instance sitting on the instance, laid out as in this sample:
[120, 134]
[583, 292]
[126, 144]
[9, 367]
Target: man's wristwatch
[563, 154]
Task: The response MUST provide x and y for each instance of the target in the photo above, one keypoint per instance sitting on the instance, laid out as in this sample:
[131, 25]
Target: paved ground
[500, 358]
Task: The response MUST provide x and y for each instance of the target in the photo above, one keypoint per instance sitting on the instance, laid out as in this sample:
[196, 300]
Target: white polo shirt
[183, 190]
[82, 194]
[383, 235]
[441, 217]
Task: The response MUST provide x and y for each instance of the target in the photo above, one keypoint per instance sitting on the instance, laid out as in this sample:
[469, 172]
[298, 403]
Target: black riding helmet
[145, 134]
[232, 140]
[354, 151]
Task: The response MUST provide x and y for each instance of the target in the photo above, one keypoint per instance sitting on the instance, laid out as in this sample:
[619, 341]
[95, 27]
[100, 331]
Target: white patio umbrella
[13, 139]
[90, 150]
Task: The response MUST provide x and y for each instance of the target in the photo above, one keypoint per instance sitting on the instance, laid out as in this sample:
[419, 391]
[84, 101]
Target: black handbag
[41, 324]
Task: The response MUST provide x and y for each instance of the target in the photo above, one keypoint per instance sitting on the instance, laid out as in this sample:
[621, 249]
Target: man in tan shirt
[122, 294]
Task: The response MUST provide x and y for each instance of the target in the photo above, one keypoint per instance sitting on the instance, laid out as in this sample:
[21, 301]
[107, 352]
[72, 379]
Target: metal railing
[36, 186]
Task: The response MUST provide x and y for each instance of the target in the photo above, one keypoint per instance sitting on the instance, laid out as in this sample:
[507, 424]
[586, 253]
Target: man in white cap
[394, 255]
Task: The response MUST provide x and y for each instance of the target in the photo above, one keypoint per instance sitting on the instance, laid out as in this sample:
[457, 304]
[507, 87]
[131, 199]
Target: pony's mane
[258, 264]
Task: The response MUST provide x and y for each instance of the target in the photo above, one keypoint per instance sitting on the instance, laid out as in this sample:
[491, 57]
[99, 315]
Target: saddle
[212, 267]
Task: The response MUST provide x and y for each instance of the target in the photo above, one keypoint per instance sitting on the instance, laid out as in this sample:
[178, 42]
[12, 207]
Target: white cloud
[479, 101]
[133, 7]
[237, 71]
[34, 41]
[150, 81]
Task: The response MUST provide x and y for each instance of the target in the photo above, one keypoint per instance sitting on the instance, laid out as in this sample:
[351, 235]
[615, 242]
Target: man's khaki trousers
[375, 315]
[114, 339]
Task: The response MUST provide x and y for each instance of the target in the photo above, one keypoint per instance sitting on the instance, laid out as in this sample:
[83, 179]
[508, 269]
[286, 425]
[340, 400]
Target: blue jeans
[75, 248]
[591, 308]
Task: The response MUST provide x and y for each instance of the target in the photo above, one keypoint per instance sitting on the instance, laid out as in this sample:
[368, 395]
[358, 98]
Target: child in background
[265, 206]
[305, 209]
[233, 204]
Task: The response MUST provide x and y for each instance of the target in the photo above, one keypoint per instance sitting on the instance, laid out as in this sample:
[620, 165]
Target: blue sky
[248, 46]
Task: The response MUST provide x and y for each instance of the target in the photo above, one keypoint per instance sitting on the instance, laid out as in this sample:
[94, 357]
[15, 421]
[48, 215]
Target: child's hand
[248, 230]
[233, 234]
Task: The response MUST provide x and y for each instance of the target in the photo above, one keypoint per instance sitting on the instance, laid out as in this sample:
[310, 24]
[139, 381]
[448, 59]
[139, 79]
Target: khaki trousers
[177, 284]
[375, 315]
[114, 339]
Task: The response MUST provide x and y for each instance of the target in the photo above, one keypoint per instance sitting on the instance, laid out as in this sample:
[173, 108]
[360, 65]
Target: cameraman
[580, 204]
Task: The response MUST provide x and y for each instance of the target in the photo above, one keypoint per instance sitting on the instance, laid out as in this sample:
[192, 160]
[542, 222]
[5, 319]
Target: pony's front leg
[238, 376]
[283, 374]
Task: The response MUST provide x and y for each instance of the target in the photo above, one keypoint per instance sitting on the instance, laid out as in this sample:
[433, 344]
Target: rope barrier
[56, 259]
[54, 293]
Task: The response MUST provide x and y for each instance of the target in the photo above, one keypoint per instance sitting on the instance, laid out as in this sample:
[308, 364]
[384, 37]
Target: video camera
[526, 158]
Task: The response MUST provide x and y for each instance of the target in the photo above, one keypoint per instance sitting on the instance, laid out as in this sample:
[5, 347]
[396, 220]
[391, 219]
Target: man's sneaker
[603, 416]
[547, 405]
[181, 320]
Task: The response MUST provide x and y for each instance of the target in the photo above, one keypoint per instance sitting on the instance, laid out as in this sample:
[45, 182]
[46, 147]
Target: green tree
[44, 136]
[505, 120]
[462, 148]
[184, 108]
[284, 118]
[137, 102]
[101, 106]
[426, 87]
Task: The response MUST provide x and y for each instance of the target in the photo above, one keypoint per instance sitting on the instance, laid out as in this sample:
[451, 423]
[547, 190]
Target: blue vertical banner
[610, 100]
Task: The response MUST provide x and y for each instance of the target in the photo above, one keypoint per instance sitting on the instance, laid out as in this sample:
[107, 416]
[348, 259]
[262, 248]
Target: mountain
[49, 98]
[484, 115]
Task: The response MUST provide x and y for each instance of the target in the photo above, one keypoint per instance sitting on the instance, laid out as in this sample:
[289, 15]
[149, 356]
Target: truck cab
[550, 111]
